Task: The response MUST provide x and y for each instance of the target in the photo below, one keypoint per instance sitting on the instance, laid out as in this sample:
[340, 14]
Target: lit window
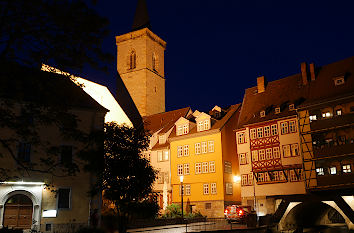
[180, 169]
[241, 138]
[269, 154]
[333, 170]
[185, 129]
[262, 113]
[293, 176]
[284, 128]
[253, 134]
[179, 130]
[250, 179]
[162, 139]
[266, 177]
[186, 150]
[186, 169]
[205, 167]
[159, 156]
[276, 152]
[243, 158]
[346, 168]
[204, 147]
[205, 189]
[277, 110]
[165, 155]
[262, 155]
[197, 148]
[286, 151]
[281, 175]
[274, 130]
[244, 180]
[179, 151]
[276, 176]
[229, 188]
[211, 146]
[198, 168]
[213, 188]
[212, 166]
[200, 126]
[339, 112]
[292, 126]
[326, 114]
[228, 167]
[266, 131]
[320, 171]
[188, 189]
[255, 155]
[294, 149]
[313, 118]
[206, 124]
[291, 107]
[260, 132]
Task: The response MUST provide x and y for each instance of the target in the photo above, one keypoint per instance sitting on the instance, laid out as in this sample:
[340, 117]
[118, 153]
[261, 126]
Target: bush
[173, 211]
[194, 215]
[7, 230]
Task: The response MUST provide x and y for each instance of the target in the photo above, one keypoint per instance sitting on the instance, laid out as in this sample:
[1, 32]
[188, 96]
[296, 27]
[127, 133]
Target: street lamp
[181, 179]
[237, 179]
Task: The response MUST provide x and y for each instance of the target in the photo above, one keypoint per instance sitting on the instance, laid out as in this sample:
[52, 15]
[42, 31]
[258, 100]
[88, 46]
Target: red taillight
[226, 211]
[240, 212]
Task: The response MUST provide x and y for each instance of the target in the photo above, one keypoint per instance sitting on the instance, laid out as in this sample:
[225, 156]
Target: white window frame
[213, 189]
[207, 124]
[186, 170]
[212, 166]
[185, 129]
[261, 154]
[204, 148]
[253, 133]
[284, 128]
[250, 179]
[255, 156]
[243, 158]
[276, 152]
[197, 148]
[159, 156]
[186, 150]
[269, 153]
[179, 151]
[200, 126]
[274, 129]
[260, 132]
[211, 146]
[206, 189]
[228, 188]
[187, 190]
[179, 169]
[205, 166]
[198, 168]
[179, 130]
[294, 149]
[266, 131]
[292, 126]
[241, 137]
[286, 151]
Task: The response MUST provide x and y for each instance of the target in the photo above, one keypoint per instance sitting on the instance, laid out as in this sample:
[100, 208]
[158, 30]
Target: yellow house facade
[202, 151]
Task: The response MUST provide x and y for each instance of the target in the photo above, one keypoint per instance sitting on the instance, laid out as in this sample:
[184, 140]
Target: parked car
[236, 213]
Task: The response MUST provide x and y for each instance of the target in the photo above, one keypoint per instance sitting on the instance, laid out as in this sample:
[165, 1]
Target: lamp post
[181, 179]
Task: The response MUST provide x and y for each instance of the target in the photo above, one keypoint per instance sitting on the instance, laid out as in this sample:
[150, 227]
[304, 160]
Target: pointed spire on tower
[141, 18]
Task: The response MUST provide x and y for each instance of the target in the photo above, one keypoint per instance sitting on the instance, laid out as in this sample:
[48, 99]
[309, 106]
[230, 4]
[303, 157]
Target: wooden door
[18, 212]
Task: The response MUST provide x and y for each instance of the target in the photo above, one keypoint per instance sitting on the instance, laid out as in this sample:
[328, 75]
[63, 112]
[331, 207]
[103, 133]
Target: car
[236, 213]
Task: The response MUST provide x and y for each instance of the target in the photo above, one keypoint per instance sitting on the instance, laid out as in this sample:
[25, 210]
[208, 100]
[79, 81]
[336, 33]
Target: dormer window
[291, 107]
[200, 126]
[339, 80]
[206, 124]
[277, 110]
[262, 113]
[179, 130]
[185, 129]
[162, 139]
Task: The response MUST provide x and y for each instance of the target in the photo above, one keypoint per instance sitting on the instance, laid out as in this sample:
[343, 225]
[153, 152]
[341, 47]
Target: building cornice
[194, 135]
[141, 33]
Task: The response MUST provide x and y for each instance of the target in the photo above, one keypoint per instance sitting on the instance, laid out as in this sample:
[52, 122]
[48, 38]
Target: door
[18, 212]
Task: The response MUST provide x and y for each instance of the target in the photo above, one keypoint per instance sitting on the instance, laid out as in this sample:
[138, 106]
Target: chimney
[312, 72]
[304, 73]
[261, 84]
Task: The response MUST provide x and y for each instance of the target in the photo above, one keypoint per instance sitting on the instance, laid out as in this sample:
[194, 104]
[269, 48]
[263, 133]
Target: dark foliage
[7, 230]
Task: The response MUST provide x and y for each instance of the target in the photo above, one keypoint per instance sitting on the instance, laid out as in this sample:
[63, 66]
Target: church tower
[140, 63]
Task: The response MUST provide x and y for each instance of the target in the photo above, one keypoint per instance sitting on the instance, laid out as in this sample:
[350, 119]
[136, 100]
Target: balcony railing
[333, 122]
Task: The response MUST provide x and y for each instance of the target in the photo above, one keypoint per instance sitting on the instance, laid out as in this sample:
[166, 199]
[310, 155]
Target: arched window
[132, 60]
[154, 62]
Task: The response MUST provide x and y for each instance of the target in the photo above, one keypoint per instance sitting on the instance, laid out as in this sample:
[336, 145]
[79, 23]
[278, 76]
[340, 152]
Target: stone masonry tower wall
[140, 63]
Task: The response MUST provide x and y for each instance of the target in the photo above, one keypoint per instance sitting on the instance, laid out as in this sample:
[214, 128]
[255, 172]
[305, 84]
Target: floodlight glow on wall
[237, 179]
[22, 183]
[49, 214]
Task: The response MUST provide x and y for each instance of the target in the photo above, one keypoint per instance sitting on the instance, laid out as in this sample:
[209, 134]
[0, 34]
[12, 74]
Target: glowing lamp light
[22, 183]
[237, 179]
[49, 214]
[181, 179]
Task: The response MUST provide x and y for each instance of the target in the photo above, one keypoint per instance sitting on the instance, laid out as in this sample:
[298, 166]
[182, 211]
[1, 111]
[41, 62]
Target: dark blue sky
[217, 48]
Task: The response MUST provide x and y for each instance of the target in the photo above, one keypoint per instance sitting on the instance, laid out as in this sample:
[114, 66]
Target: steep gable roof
[141, 18]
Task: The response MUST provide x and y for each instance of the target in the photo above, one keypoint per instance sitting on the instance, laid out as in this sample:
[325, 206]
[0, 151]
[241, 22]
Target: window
[244, 180]
[212, 166]
[293, 176]
[250, 179]
[205, 167]
[262, 114]
[241, 138]
[266, 177]
[294, 149]
[269, 154]
[66, 155]
[326, 114]
[284, 128]
[159, 156]
[339, 81]
[188, 189]
[260, 177]
[274, 130]
[346, 168]
[179, 169]
[165, 155]
[64, 198]
[132, 60]
[277, 110]
[276, 152]
[204, 147]
[333, 170]
[198, 168]
[186, 150]
[200, 126]
[276, 176]
[186, 169]
[205, 189]
[206, 124]
[253, 134]
[213, 188]
[154, 62]
[266, 131]
[255, 155]
[185, 129]
[313, 118]
[243, 159]
[281, 175]
[211, 146]
[286, 151]
[207, 205]
[160, 178]
[292, 126]
[291, 107]
[179, 130]
[339, 112]
[262, 155]
[197, 148]
[179, 151]
[162, 139]
[320, 171]
[24, 152]
[228, 167]
[260, 132]
[229, 188]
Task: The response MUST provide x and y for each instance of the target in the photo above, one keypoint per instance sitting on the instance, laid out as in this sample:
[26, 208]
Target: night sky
[216, 49]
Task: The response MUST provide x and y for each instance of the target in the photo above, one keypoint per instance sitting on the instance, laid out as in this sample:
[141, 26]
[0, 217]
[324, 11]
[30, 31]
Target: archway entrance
[18, 212]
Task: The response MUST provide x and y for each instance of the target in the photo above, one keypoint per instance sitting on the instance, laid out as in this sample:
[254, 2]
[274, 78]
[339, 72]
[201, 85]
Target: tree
[64, 33]
[128, 177]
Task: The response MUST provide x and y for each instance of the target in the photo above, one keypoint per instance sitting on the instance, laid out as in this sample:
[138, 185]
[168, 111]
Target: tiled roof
[164, 121]
[290, 90]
